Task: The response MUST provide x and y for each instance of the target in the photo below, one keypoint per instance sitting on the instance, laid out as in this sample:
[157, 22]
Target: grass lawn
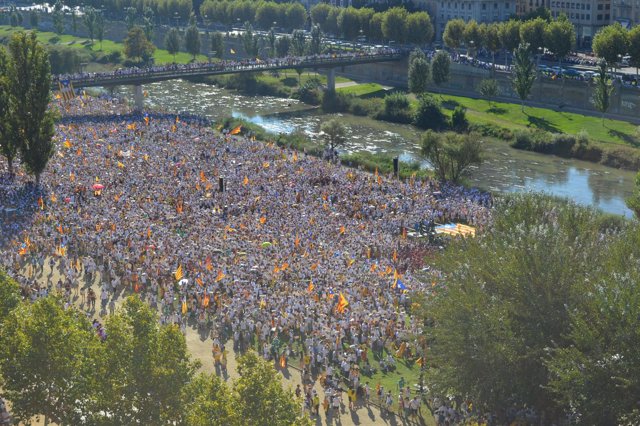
[161, 56]
[365, 90]
[511, 116]
[289, 77]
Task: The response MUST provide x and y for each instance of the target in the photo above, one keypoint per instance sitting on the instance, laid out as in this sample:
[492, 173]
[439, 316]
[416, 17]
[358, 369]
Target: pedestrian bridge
[139, 76]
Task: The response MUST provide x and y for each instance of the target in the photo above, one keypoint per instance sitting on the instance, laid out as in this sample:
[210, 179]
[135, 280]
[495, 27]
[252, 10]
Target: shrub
[371, 107]
[335, 102]
[459, 121]
[429, 114]
[397, 108]
[492, 130]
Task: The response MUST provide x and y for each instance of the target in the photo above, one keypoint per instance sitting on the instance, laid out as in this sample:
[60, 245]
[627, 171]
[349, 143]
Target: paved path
[200, 348]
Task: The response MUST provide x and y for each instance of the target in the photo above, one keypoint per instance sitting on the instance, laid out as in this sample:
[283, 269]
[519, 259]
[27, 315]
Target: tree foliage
[548, 320]
[29, 75]
[611, 41]
[509, 34]
[429, 113]
[440, 67]
[335, 133]
[451, 154]
[603, 89]
[192, 41]
[560, 37]
[453, 35]
[634, 47]
[419, 72]
[9, 144]
[136, 45]
[633, 202]
[524, 72]
[217, 44]
[250, 41]
[488, 89]
[172, 42]
[532, 33]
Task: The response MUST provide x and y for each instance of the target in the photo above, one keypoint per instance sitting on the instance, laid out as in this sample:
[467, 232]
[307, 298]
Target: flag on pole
[236, 130]
[66, 90]
[311, 286]
[178, 274]
[342, 303]
[220, 276]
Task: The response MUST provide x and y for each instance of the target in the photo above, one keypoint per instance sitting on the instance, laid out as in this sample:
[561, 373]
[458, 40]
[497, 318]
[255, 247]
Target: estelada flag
[342, 303]
[311, 287]
[178, 274]
[220, 276]
[236, 130]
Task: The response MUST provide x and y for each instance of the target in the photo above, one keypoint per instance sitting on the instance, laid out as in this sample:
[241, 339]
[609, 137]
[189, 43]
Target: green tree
[141, 370]
[603, 89]
[394, 24]
[429, 114]
[30, 84]
[74, 22]
[524, 72]
[217, 44]
[90, 18]
[375, 27]
[453, 35]
[532, 33]
[250, 41]
[315, 44]
[488, 89]
[634, 47]
[136, 45]
[9, 296]
[58, 21]
[419, 28]
[298, 43]
[397, 108]
[296, 16]
[266, 14]
[44, 360]
[560, 37]
[509, 33]
[451, 154]
[192, 42]
[34, 19]
[490, 34]
[172, 42]
[501, 317]
[148, 22]
[9, 140]
[130, 17]
[209, 402]
[611, 42]
[419, 71]
[472, 37]
[335, 133]
[283, 45]
[319, 14]
[260, 397]
[99, 27]
[633, 202]
[440, 68]
[349, 23]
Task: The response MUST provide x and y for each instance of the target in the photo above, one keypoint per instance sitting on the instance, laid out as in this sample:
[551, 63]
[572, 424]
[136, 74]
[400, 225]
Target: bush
[366, 107]
[429, 114]
[310, 92]
[65, 59]
[397, 108]
[492, 130]
[335, 102]
[459, 121]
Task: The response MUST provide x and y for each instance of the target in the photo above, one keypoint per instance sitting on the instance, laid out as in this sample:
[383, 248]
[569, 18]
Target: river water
[504, 169]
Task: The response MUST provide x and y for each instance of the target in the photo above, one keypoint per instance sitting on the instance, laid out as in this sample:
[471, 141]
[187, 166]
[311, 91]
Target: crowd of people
[299, 258]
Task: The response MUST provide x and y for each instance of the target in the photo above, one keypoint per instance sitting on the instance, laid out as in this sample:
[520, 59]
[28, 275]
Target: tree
[250, 41]
[611, 42]
[30, 84]
[335, 133]
[509, 33]
[44, 359]
[90, 22]
[315, 44]
[501, 319]
[375, 27]
[34, 19]
[283, 44]
[440, 67]
[9, 142]
[429, 114]
[130, 17]
[490, 34]
[141, 370]
[560, 37]
[74, 21]
[472, 37]
[192, 42]
[172, 42]
[9, 295]
[419, 71]
[394, 24]
[260, 397]
[532, 32]
[603, 89]
[488, 89]
[419, 28]
[634, 47]
[217, 44]
[58, 21]
[298, 43]
[136, 45]
[266, 14]
[451, 154]
[319, 14]
[296, 16]
[524, 72]
[209, 402]
[633, 202]
[349, 23]
[454, 34]
[148, 22]
[99, 27]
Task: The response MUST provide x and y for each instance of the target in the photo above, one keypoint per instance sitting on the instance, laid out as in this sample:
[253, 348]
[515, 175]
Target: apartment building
[627, 12]
[479, 10]
[588, 16]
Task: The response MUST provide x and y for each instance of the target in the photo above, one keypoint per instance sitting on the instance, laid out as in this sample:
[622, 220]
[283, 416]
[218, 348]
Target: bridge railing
[216, 67]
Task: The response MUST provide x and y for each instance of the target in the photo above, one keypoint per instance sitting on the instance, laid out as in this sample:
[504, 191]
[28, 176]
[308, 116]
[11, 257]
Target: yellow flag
[67, 144]
[220, 276]
[311, 287]
[184, 307]
[245, 182]
[178, 274]
[263, 220]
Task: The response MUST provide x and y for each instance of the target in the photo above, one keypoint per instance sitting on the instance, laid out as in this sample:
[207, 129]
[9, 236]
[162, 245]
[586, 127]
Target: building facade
[478, 10]
[588, 16]
[627, 12]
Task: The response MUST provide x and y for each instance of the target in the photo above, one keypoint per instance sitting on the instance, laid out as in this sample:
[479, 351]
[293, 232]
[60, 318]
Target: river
[504, 168]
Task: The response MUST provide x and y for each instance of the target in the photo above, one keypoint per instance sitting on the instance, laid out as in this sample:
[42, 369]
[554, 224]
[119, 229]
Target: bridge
[139, 76]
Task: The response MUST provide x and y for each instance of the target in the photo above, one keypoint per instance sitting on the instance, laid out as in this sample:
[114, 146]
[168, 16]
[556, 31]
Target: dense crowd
[297, 257]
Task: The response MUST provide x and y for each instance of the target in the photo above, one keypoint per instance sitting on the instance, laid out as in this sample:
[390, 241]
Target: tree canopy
[136, 45]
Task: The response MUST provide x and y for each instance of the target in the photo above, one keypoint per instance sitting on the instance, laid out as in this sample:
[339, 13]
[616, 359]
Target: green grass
[511, 116]
[363, 90]
[289, 78]
[161, 56]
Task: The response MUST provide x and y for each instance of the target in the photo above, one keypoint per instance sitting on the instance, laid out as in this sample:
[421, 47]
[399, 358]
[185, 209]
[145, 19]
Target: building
[479, 10]
[588, 16]
[627, 12]
[527, 6]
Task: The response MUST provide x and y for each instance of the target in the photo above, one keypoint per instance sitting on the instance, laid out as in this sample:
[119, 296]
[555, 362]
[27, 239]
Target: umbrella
[97, 187]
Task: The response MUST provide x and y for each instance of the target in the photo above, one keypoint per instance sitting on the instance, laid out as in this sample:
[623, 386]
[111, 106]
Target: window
[607, 6]
[582, 16]
[588, 7]
[582, 6]
[607, 17]
[506, 5]
[484, 6]
[599, 18]
[588, 17]
[455, 6]
[599, 7]
[495, 5]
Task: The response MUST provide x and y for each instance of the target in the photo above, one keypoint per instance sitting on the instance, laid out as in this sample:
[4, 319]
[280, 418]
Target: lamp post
[473, 51]
[177, 18]
[540, 51]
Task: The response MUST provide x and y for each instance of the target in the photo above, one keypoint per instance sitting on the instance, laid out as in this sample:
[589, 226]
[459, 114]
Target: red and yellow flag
[220, 276]
[342, 303]
[236, 130]
[178, 274]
